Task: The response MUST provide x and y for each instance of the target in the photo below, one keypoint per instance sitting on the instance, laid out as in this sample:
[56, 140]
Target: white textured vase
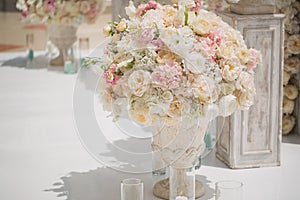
[63, 37]
[180, 146]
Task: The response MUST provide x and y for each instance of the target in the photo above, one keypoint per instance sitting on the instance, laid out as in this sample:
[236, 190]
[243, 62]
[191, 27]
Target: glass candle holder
[182, 183]
[84, 47]
[229, 190]
[30, 50]
[158, 165]
[132, 189]
[70, 62]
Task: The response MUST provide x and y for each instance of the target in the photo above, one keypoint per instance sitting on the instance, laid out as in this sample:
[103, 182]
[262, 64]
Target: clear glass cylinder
[132, 189]
[70, 62]
[229, 190]
[30, 50]
[182, 183]
[84, 47]
[158, 164]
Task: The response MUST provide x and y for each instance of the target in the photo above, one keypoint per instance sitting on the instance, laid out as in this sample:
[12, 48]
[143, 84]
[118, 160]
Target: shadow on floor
[40, 62]
[104, 183]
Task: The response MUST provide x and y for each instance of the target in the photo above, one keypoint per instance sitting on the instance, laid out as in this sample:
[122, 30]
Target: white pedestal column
[252, 138]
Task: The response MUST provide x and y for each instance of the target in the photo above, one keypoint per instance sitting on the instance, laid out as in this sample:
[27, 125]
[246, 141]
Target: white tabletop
[41, 157]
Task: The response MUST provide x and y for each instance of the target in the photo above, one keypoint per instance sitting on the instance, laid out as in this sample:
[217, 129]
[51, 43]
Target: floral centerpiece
[175, 68]
[67, 12]
[62, 17]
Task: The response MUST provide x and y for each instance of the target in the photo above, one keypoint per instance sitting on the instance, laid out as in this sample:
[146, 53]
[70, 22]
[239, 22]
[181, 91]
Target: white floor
[41, 157]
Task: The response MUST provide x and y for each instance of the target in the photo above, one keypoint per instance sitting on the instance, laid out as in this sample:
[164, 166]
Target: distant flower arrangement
[66, 12]
[167, 62]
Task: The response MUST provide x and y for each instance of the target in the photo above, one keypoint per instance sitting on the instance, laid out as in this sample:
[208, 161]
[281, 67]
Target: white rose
[287, 106]
[195, 62]
[204, 89]
[106, 29]
[169, 15]
[66, 21]
[230, 73]
[130, 10]
[228, 105]
[286, 78]
[34, 18]
[84, 7]
[288, 123]
[227, 88]
[119, 105]
[291, 92]
[245, 82]
[176, 42]
[293, 44]
[153, 17]
[139, 82]
[187, 3]
[226, 50]
[292, 65]
[21, 5]
[167, 97]
[179, 108]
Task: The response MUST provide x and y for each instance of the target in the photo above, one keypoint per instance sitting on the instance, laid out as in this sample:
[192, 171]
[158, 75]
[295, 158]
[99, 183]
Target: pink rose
[110, 75]
[146, 35]
[50, 5]
[254, 58]
[25, 13]
[158, 44]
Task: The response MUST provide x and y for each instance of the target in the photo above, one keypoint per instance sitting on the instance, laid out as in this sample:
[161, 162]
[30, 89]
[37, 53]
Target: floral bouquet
[62, 12]
[166, 62]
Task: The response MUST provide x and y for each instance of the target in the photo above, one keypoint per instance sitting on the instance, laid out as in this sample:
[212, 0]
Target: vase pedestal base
[161, 189]
[57, 62]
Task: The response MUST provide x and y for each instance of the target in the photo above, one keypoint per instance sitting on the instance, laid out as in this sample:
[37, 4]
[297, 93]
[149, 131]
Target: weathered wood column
[252, 138]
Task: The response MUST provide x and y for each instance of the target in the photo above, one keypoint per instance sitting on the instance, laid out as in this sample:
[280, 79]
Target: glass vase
[63, 37]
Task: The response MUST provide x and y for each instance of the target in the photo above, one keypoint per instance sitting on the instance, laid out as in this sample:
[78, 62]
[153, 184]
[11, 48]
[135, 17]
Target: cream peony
[287, 106]
[226, 50]
[244, 99]
[291, 92]
[204, 21]
[139, 82]
[288, 123]
[140, 114]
